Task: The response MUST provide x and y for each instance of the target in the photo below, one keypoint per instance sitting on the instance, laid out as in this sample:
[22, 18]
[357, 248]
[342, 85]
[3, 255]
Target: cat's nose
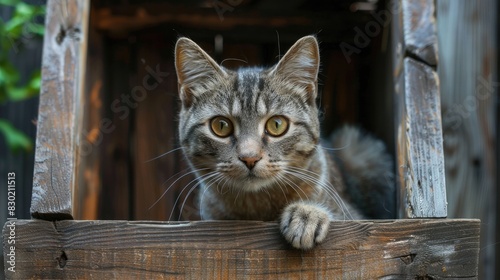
[249, 161]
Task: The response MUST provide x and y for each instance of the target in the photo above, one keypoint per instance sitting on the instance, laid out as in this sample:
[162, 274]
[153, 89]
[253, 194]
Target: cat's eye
[221, 126]
[276, 126]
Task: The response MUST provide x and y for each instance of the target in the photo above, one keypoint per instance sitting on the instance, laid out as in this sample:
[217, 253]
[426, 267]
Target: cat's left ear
[196, 71]
[299, 67]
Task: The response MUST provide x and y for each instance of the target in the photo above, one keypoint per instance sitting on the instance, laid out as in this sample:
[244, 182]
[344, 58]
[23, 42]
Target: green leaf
[24, 21]
[25, 10]
[23, 25]
[36, 81]
[18, 93]
[16, 140]
[8, 74]
[9, 2]
[38, 29]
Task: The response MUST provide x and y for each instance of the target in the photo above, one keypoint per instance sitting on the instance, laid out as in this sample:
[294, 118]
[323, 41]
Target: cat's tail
[368, 171]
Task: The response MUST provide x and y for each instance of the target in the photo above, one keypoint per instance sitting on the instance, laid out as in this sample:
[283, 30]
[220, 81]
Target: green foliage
[24, 25]
[15, 139]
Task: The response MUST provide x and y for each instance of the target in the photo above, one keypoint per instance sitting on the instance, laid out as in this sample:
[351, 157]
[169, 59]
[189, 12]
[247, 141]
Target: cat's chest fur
[267, 205]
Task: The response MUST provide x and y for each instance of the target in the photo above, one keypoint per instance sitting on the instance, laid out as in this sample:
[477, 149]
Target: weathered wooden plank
[419, 27]
[391, 249]
[60, 109]
[468, 69]
[420, 142]
[220, 16]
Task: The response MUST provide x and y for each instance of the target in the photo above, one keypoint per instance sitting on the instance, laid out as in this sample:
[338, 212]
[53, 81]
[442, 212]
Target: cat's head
[246, 128]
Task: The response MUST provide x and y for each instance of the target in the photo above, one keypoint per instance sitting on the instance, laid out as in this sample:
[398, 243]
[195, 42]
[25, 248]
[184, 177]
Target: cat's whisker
[312, 177]
[333, 149]
[294, 186]
[233, 59]
[332, 192]
[277, 179]
[203, 194]
[326, 186]
[217, 176]
[279, 49]
[198, 180]
[223, 186]
[238, 194]
[201, 203]
[306, 178]
[164, 154]
[184, 175]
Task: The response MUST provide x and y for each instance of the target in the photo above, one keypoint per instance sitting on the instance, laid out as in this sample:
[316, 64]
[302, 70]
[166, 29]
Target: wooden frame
[52, 245]
[421, 249]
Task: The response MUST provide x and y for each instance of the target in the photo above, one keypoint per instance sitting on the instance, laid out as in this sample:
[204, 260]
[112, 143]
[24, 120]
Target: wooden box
[108, 110]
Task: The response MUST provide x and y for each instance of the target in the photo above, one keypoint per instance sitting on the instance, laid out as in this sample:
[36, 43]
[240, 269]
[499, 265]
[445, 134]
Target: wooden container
[108, 110]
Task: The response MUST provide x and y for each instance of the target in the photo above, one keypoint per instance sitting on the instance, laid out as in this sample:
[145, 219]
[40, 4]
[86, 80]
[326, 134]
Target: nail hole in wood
[62, 259]
[61, 35]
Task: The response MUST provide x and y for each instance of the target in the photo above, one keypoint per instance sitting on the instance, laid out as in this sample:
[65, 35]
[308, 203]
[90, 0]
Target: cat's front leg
[305, 224]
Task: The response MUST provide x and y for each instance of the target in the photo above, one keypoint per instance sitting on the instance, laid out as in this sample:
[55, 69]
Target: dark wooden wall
[468, 45]
[116, 180]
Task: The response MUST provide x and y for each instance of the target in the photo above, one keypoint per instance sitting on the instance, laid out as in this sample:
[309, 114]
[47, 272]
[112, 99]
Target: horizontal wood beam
[233, 249]
[336, 24]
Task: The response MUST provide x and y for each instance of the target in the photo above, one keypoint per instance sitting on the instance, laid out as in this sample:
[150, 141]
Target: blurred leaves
[16, 140]
[25, 24]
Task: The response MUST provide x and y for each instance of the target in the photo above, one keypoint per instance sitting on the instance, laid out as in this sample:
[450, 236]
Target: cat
[252, 136]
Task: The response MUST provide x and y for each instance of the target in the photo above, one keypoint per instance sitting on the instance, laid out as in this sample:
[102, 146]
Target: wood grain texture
[391, 249]
[419, 25]
[154, 133]
[88, 188]
[59, 114]
[468, 69]
[420, 143]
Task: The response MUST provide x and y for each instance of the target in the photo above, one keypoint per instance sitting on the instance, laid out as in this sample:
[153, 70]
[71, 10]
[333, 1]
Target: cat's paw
[305, 224]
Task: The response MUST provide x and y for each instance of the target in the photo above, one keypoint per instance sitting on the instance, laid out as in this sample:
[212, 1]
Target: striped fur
[291, 177]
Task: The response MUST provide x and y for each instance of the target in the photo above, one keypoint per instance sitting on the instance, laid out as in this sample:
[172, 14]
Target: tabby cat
[253, 137]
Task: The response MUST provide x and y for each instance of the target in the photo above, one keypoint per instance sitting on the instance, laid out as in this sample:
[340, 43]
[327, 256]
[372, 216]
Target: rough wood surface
[420, 143]
[419, 139]
[468, 69]
[419, 25]
[59, 114]
[392, 249]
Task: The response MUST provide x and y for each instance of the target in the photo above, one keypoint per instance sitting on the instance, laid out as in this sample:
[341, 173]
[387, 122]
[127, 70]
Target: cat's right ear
[196, 70]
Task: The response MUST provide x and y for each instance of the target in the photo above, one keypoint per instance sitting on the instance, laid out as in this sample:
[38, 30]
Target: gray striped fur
[293, 179]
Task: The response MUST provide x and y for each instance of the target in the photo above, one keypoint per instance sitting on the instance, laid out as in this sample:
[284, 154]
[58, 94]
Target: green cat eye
[276, 126]
[221, 126]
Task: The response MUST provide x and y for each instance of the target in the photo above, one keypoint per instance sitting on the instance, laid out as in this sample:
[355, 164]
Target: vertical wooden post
[418, 114]
[59, 117]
